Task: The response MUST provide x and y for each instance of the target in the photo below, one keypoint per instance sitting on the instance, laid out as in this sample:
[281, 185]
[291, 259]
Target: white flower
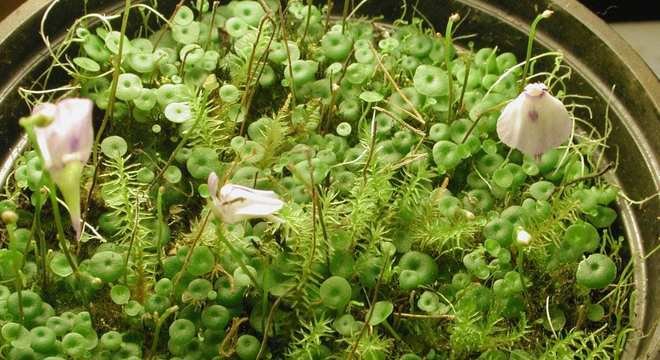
[235, 203]
[523, 237]
[70, 136]
[534, 122]
[65, 145]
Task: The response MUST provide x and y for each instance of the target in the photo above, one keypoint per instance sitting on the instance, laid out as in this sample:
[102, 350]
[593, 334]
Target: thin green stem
[186, 262]
[371, 309]
[468, 66]
[237, 255]
[40, 246]
[580, 179]
[136, 220]
[308, 268]
[11, 227]
[344, 16]
[328, 11]
[19, 292]
[285, 37]
[161, 223]
[423, 316]
[159, 324]
[413, 110]
[209, 37]
[530, 42]
[309, 15]
[250, 88]
[167, 24]
[28, 124]
[450, 76]
[111, 106]
[325, 115]
[391, 330]
[474, 124]
[269, 320]
[372, 145]
[323, 229]
[60, 229]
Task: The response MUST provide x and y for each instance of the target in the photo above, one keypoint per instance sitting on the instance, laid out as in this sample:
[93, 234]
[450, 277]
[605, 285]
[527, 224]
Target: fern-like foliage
[126, 197]
[368, 200]
[305, 248]
[274, 134]
[214, 124]
[370, 346]
[129, 203]
[309, 339]
[581, 345]
[433, 232]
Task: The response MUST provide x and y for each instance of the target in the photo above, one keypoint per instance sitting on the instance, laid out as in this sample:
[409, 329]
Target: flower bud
[547, 13]
[523, 237]
[9, 217]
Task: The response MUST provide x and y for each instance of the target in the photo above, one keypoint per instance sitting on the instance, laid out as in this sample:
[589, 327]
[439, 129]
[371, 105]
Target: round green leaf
[120, 294]
[382, 310]
[371, 96]
[178, 112]
[133, 308]
[60, 266]
[86, 63]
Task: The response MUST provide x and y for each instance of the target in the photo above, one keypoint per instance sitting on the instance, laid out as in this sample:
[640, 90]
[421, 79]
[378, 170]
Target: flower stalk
[29, 124]
[450, 76]
[530, 41]
[10, 218]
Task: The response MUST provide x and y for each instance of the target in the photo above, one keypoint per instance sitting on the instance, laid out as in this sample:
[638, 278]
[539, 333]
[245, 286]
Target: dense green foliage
[409, 230]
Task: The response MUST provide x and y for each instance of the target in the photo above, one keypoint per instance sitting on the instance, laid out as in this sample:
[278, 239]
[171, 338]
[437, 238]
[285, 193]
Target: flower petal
[234, 191]
[260, 208]
[237, 203]
[74, 122]
[69, 137]
[212, 183]
[43, 134]
[534, 122]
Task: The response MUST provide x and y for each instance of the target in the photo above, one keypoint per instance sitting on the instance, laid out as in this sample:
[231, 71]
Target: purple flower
[235, 203]
[534, 122]
[65, 145]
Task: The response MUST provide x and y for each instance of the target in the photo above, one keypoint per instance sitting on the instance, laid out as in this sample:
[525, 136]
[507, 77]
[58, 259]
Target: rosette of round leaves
[596, 272]
[107, 265]
[578, 239]
[335, 292]
[416, 269]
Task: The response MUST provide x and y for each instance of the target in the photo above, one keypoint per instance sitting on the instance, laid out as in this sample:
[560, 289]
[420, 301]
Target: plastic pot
[599, 57]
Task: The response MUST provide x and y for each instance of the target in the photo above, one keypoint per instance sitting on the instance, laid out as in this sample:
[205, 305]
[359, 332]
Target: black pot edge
[635, 66]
